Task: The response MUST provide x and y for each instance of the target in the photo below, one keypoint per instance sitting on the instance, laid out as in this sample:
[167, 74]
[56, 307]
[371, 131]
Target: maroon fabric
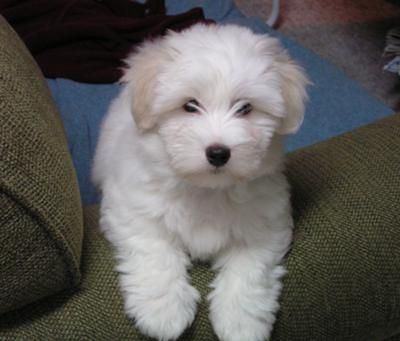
[86, 40]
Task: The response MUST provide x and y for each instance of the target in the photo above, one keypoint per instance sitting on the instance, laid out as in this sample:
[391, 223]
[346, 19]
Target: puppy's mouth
[216, 177]
[217, 170]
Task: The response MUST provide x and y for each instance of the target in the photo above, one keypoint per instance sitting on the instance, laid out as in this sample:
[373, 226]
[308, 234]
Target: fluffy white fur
[164, 204]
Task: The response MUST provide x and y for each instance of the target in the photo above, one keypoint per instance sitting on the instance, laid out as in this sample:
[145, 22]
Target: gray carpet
[348, 33]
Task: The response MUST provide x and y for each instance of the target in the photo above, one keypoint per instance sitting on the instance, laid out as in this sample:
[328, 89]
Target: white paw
[242, 314]
[163, 314]
[241, 324]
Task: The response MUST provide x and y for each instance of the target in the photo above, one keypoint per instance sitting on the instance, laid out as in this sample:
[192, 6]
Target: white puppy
[189, 163]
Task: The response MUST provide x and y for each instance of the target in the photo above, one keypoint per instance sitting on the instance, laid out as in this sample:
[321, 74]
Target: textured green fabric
[93, 311]
[41, 221]
[344, 267]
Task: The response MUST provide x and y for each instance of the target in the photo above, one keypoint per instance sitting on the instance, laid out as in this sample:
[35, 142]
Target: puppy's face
[218, 97]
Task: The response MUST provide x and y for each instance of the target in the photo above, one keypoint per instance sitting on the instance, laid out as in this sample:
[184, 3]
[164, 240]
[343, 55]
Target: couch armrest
[343, 279]
[40, 211]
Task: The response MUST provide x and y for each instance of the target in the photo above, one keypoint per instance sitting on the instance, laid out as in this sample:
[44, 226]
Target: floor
[348, 33]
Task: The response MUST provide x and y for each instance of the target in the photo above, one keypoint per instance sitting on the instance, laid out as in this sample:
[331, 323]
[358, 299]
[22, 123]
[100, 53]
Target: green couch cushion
[344, 267]
[41, 222]
[94, 311]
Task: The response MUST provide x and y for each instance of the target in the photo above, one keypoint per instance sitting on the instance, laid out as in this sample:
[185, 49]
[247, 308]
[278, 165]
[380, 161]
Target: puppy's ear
[141, 76]
[294, 82]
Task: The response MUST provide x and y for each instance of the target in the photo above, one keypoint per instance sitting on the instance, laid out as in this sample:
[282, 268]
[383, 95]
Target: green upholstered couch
[56, 270]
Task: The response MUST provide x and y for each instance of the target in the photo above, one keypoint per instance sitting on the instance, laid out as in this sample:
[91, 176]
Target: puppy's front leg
[154, 281]
[245, 296]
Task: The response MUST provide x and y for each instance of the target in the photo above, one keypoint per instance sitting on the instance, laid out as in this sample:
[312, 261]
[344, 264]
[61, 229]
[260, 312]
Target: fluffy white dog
[190, 163]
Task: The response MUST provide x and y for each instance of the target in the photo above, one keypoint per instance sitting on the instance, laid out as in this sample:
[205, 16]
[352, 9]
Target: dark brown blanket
[86, 40]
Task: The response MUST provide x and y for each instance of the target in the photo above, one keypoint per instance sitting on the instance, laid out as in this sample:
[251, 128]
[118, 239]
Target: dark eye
[245, 109]
[191, 106]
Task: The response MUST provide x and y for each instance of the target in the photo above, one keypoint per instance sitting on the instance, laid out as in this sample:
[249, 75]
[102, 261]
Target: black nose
[218, 155]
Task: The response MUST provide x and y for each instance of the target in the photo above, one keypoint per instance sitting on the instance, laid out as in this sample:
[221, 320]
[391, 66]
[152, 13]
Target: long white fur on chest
[205, 221]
